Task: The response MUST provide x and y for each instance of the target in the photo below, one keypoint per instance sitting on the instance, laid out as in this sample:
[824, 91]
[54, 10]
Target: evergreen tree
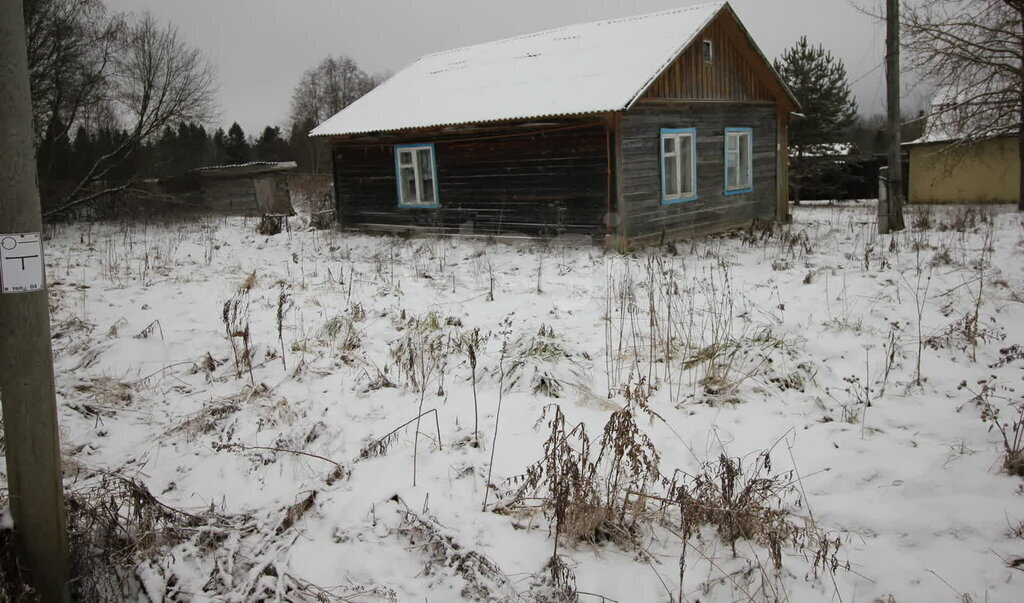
[270, 146]
[84, 152]
[164, 154]
[236, 145]
[194, 146]
[220, 152]
[818, 80]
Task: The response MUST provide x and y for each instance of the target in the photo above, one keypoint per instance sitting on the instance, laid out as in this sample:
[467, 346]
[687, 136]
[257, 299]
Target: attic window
[709, 51]
[417, 175]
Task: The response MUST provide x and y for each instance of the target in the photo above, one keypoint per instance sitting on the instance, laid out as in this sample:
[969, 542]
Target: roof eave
[466, 123]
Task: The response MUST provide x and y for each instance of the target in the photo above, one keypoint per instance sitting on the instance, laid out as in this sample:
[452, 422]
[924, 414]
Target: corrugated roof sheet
[250, 167]
[956, 116]
[589, 68]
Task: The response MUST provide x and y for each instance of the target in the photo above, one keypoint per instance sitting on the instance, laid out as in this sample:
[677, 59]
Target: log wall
[531, 179]
[645, 219]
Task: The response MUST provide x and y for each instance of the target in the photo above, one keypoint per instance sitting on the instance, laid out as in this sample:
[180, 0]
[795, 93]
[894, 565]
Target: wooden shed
[630, 131]
[257, 187]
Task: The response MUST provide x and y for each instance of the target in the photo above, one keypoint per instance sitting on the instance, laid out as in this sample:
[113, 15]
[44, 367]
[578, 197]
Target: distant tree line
[118, 98]
[177, 149]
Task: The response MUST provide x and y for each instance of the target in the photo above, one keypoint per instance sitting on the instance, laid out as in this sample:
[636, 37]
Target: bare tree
[329, 87]
[973, 51]
[70, 44]
[335, 83]
[153, 79]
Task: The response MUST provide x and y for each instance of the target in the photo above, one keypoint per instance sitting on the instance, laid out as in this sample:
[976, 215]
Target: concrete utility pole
[26, 359]
[890, 211]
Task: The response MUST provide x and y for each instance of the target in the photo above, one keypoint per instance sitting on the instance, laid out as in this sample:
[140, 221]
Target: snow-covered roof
[251, 167]
[955, 116]
[588, 68]
[830, 149]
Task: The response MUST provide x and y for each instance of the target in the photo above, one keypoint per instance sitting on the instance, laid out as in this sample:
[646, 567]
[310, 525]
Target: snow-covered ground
[865, 368]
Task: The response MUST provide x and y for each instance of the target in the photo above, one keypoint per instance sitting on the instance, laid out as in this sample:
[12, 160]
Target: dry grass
[484, 580]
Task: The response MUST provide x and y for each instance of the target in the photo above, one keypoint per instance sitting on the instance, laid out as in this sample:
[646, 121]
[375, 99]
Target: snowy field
[809, 412]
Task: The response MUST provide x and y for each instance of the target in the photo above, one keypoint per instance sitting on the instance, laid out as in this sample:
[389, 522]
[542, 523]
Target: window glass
[671, 176]
[738, 160]
[678, 159]
[426, 170]
[408, 180]
[416, 175]
[744, 161]
[686, 174]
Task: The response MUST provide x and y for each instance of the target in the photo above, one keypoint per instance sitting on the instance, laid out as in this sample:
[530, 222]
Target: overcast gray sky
[261, 47]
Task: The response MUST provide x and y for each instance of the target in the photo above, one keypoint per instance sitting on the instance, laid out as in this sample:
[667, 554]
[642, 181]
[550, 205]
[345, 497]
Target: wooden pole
[1019, 6]
[890, 213]
[782, 167]
[26, 359]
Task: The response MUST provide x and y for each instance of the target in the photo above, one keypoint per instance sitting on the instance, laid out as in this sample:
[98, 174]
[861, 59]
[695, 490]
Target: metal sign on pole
[26, 359]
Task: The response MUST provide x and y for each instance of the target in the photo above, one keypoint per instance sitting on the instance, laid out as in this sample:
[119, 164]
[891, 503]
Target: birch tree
[322, 91]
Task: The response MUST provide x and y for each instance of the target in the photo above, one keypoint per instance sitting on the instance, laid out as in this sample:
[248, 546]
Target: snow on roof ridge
[277, 164]
[610, 65]
[532, 34]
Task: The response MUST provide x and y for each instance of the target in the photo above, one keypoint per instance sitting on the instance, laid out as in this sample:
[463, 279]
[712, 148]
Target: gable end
[737, 72]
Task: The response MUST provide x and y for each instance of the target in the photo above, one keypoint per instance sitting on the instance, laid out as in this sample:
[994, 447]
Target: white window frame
[670, 191]
[419, 181]
[739, 147]
[709, 51]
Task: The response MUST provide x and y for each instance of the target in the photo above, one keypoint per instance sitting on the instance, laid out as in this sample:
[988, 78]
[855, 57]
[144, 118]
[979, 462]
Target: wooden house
[630, 131]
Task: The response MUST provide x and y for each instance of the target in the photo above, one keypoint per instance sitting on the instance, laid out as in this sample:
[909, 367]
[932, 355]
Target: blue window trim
[750, 155]
[665, 200]
[398, 176]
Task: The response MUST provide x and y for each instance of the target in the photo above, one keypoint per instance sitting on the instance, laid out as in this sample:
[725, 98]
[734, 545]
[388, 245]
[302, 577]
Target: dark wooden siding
[521, 178]
[230, 196]
[646, 219]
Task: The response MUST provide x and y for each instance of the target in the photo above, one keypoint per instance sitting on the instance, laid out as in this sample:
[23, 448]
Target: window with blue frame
[678, 165]
[739, 157]
[416, 170]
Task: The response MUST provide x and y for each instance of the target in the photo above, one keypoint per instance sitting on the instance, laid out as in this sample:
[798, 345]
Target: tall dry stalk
[505, 332]
[470, 345]
[284, 303]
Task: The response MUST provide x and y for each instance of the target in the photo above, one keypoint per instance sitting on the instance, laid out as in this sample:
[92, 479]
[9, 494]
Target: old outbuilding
[951, 163]
[254, 188]
[629, 131]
